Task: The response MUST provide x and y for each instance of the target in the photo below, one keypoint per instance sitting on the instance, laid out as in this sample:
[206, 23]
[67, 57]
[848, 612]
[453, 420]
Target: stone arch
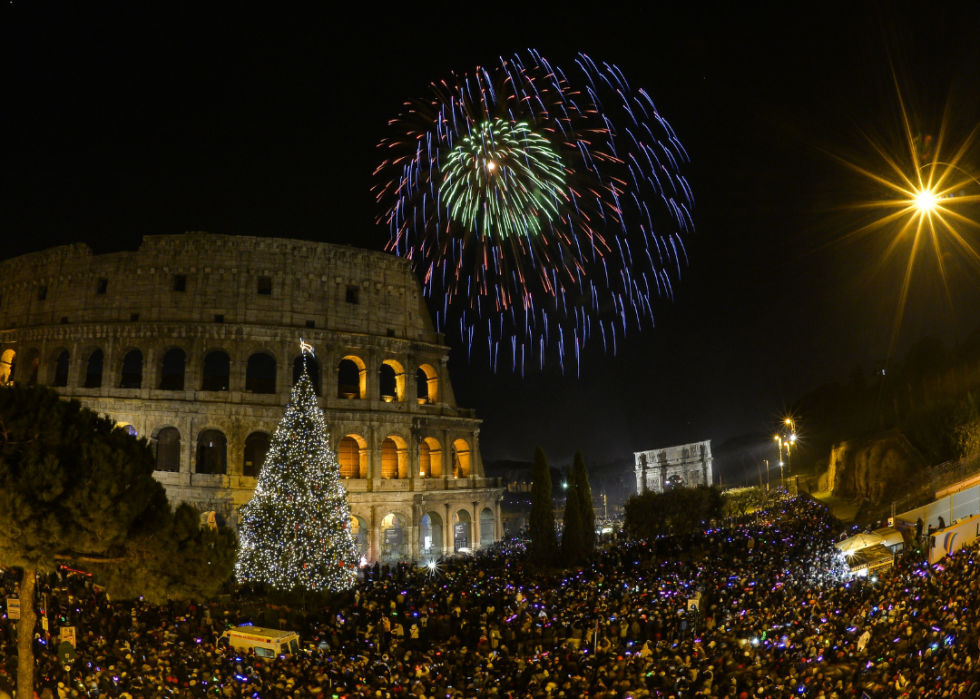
[7, 361]
[394, 457]
[59, 363]
[173, 369]
[487, 521]
[430, 458]
[359, 531]
[212, 452]
[167, 442]
[394, 533]
[260, 373]
[352, 454]
[462, 461]
[427, 384]
[391, 381]
[352, 377]
[131, 374]
[430, 534]
[256, 449]
[312, 368]
[216, 372]
[94, 368]
[462, 536]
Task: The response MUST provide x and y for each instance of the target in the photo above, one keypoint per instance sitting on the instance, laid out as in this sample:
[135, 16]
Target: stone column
[475, 526]
[447, 534]
[498, 522]
[374, 547]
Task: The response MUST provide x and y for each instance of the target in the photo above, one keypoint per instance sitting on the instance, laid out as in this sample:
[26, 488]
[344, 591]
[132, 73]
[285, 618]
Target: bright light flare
[925, 201]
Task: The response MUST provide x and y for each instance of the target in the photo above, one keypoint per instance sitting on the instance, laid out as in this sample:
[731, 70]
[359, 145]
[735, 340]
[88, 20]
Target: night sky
[263, 119]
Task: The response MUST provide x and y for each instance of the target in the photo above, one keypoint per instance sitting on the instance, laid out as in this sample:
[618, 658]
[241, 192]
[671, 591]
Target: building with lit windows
[193, 342]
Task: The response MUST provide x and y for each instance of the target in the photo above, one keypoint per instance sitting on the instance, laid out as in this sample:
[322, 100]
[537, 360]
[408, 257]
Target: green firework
[504, 179]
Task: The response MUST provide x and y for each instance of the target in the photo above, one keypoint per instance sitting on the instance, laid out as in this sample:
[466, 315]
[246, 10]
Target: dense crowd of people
[777, 617]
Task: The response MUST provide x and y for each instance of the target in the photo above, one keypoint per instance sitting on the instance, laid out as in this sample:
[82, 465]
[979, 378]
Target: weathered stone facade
[683, 465]
[192, 342]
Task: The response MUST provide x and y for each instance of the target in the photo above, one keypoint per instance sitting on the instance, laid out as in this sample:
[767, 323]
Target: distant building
[683, 465]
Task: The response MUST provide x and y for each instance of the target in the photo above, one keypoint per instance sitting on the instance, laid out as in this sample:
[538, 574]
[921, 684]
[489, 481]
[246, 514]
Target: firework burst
[540, 209]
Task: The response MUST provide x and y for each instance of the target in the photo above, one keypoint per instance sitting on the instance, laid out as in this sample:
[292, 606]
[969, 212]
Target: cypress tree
[586, 510]
[572, 547]
[544, 541]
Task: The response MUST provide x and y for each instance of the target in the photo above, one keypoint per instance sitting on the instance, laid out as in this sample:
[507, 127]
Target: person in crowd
[779, 619]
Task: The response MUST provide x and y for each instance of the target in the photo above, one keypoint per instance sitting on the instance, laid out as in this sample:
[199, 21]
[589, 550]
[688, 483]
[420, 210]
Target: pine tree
[544, 541]
[75, 489]
[586, 510]
[572, 547]
[296, 529]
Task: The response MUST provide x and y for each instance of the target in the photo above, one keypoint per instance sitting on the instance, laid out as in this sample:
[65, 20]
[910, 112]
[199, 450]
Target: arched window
[391, 377]
[394, 458]
[132, 370]
[427, 384]
[349, 457]
[461, 459]
[59, 377]
[430, 458]
[128, 429]
[312, 368]
[462, 531]
[7, 360]
[351, 378]
[256, 448]
[168, 450]
[260, 374]
[212, 453]
[172, 370]
[93, 370]
[217, 371]
[386, 379]
[430, 543]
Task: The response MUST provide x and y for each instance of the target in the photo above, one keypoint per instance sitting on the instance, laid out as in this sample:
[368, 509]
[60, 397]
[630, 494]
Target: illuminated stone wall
[234, 298]
[682, 465]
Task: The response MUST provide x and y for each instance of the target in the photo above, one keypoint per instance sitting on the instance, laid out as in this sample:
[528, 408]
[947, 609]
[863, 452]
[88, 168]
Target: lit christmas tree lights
[296, 529]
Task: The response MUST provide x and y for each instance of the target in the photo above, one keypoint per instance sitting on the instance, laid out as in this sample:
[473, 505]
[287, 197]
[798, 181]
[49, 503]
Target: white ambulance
[267, 643]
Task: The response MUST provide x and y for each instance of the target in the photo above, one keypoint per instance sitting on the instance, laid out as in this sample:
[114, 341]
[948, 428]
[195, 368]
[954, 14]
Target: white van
[267, 643]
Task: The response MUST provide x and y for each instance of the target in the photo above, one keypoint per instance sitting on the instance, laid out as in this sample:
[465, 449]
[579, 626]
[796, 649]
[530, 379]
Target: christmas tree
[296, 529]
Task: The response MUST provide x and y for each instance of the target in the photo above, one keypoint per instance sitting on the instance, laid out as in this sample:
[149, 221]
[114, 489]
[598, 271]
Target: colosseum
[193, 343]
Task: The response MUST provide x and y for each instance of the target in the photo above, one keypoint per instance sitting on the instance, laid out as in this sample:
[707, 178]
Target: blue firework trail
[519, 192]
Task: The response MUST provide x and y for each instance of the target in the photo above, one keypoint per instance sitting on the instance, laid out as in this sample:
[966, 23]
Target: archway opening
[93, 370]
[461, 530]
[168, 450]
[260, 373]
[172, 370]
[351, 378]
[217, 372]
[486, 527]
[127, 428]
[427, 384]
[430, 537]
[256, 449]
[212, 453]
[59, 368]
[352, 456]
[132, 370]
[312, 368]
[430, 458]
[7, 360]
[394, 537]
[461, 459]
[359, 532]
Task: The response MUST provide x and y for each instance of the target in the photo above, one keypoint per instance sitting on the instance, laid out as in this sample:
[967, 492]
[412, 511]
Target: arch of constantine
[193, 343]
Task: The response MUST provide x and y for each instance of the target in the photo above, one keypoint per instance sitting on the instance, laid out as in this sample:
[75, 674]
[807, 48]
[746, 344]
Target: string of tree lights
[296, 529]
